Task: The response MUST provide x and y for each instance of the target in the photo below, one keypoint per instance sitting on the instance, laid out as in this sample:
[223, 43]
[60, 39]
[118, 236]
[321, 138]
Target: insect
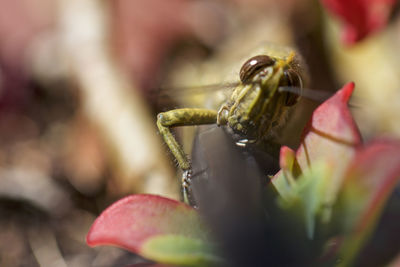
[256, 107]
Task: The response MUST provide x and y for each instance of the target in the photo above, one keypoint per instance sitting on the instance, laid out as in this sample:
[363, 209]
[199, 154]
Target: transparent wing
[318, 96]
[193, 96]
[201, 89]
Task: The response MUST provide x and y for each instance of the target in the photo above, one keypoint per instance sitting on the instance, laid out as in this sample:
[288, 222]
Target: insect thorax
[257, 114]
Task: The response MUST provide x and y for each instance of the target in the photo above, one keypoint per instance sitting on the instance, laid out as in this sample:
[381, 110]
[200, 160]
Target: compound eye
[252, 66]
[292, 79]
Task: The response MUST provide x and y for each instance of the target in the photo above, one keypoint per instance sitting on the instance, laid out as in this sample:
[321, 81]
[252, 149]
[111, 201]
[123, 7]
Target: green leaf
[307, 195]
[180, 250]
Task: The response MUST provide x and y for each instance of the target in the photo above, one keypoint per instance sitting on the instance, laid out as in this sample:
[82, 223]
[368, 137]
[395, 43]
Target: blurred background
[81, 83]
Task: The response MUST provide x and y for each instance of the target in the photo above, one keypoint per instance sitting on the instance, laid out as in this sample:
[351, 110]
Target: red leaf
[286, 158]
[360, 17]
[330, 129]
[365, 176]
[371, 179]
[330, 133]
[131, 221]
[374, 173]
[331, 136]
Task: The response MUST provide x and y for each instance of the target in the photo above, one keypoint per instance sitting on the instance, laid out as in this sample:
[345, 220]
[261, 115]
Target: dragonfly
[270, 84]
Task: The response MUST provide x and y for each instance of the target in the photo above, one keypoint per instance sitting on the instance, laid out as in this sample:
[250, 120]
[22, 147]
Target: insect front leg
[183, 117]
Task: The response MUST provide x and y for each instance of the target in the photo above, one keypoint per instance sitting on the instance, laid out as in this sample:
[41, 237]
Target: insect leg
[221, 117]
[182, 117]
